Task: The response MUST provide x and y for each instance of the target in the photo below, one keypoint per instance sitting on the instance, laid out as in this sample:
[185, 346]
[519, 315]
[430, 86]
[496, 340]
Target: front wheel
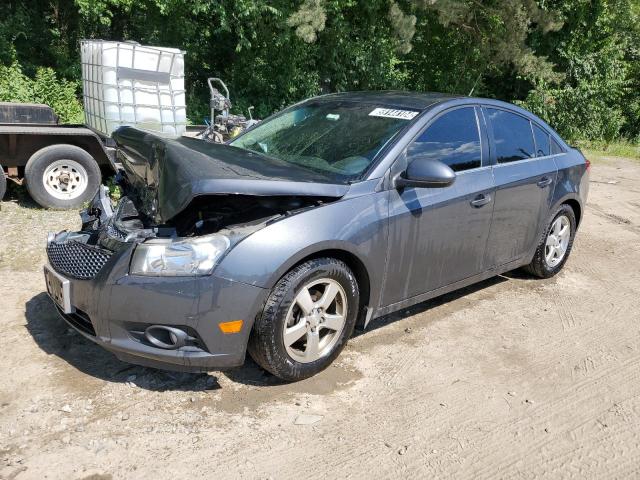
[307, 320]
[554, 247]
[62, 176]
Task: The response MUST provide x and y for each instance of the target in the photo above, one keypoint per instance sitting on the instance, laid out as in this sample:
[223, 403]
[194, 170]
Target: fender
[316, 250]
[266, 255]
[568, 198]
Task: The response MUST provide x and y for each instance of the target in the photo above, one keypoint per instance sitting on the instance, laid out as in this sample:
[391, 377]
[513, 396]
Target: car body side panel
[573, 179]
[357, 225]
[436, 237]
[520, 207]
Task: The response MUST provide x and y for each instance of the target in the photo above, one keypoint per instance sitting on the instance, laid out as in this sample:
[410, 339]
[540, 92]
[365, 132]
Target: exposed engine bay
[186, 202]
[210, 214]
[230, 214]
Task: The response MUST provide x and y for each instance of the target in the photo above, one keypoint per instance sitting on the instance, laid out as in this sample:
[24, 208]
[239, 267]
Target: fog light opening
[168, 338]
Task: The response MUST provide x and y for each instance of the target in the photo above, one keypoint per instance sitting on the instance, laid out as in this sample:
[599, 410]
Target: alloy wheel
[315, 320]
[557, 241]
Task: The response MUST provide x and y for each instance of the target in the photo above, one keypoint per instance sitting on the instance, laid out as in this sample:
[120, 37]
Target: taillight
[588, 163]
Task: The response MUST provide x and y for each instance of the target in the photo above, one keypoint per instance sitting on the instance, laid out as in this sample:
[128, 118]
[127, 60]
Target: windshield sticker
[393, 113]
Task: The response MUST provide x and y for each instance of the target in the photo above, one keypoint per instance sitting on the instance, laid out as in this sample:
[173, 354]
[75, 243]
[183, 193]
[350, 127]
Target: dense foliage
[574, 62]
[45, 88]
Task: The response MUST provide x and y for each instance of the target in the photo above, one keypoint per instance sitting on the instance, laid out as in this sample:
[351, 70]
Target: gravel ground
[511, 378]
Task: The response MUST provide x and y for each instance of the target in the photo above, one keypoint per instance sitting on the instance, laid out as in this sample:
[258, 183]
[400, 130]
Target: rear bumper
[114, 309]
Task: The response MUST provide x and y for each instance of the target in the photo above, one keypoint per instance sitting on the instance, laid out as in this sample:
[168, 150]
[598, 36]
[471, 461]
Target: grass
[598, 150]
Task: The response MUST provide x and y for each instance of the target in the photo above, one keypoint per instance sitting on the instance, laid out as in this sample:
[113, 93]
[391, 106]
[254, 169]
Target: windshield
[339, 139]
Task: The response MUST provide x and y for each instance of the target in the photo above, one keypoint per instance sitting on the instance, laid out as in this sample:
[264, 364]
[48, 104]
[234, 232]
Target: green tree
[45, 88]
[598, 49]
[574, 62]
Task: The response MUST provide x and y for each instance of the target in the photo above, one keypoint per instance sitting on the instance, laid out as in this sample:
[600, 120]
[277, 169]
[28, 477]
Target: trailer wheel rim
[65, 179]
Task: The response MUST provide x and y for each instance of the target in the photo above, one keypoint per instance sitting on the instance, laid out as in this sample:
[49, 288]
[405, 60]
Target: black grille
[79, 320]
[76, 259]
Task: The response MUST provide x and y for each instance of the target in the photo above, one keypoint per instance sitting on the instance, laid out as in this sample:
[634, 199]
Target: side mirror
[425, 173]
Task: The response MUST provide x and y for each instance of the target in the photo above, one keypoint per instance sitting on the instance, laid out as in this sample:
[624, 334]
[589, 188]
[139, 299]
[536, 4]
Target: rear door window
[512, 136]
[542, 141]
[453, 138]
[555, 147]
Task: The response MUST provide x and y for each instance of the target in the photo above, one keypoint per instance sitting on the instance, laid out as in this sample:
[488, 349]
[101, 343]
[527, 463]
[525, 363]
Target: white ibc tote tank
[126, 83]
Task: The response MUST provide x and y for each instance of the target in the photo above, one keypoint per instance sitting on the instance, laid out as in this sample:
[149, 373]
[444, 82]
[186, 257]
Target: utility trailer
[61, 165]
[124, 83]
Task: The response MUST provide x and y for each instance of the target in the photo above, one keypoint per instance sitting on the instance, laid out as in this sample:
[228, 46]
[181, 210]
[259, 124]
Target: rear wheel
[307, 320]
[554, 247]
[3, 183]
[62, 176]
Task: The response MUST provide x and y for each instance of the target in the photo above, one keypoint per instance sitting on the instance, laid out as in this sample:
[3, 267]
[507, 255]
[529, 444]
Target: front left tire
[307, 319]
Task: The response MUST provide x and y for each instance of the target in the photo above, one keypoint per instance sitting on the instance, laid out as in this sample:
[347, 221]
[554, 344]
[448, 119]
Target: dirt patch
[512, 377]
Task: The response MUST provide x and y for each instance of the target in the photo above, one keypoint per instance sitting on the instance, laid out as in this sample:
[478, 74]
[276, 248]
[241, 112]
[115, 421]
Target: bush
[45, 88]
[577, 113]
[597, 51]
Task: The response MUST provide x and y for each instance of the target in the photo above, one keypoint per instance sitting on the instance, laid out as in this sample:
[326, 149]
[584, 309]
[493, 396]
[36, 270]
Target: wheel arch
[338, 251]
[575, 206]
[573, 201]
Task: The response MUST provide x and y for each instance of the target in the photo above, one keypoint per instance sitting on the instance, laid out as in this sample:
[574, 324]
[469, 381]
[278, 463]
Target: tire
[73, 176]
[298, 361]
[541, 266]
[3, 183]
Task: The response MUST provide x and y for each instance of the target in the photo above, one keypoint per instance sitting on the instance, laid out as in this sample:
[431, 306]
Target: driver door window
[453, 138]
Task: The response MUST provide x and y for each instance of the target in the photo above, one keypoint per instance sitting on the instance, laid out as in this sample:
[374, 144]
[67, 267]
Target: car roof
[390, 98]
[426, 101]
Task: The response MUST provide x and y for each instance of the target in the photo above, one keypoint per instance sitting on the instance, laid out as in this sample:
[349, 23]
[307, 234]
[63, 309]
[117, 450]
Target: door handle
[481, 200]
[545, 182]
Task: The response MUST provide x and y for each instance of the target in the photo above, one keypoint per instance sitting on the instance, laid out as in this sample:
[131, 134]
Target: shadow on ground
[20, 195]
[55, 337]
[429, 304]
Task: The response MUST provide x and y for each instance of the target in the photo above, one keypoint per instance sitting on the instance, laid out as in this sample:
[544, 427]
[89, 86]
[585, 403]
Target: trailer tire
[62, 176]
[3, 183]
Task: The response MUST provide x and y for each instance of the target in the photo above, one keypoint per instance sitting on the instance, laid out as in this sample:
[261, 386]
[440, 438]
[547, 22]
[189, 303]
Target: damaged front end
[191, 243]
[147, 294]
[186, 204]
[138, 278]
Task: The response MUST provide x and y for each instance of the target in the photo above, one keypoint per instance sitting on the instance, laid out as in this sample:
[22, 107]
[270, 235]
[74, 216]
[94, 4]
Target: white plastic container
[130, 84]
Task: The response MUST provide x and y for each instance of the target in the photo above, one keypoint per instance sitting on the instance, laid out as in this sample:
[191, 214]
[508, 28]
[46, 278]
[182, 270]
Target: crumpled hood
[168, 172]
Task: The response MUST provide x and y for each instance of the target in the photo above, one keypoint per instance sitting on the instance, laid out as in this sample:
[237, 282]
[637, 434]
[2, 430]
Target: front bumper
[113, 309]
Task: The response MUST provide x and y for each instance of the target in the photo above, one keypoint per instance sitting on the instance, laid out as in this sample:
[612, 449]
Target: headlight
[179, 258]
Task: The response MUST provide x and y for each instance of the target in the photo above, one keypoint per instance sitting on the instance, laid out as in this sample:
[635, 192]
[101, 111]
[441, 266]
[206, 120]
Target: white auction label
[393, 113]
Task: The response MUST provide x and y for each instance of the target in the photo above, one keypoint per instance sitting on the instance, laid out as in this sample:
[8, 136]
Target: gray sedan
[331, 213]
